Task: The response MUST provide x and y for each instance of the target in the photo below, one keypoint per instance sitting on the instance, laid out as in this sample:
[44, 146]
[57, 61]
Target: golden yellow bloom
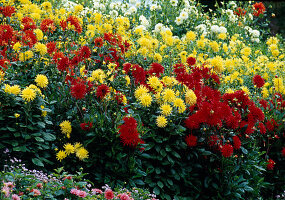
[41, 80]
[60, 155]
[166, 109]
[39, 34]
[28, 94]
[157, 57]
[82, 153]
[190, 97]
[218, 64]
[278, 84]
[17, 115]
[77, 146]
[179, 103]
[146, 99]
[41, 48]
[190, 36]
[127, 78]
[155, 83]
[78, 8]
[17, 46]
[69, 148]
[26, 55]
[168, 95]
[161, 121]
[140, 91]
[66, 128]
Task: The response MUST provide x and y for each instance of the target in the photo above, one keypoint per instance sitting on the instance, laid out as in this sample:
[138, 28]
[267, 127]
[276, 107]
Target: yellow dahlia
[41, 80]
[28, 94]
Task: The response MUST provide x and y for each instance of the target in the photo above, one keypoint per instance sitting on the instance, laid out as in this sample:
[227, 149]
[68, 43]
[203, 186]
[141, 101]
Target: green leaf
[243, 150]
[156, 190]
[169, 181]
[49, 137]
[145, 155]
[41, 124]
[11, 129]
[176, 154]
[139, 182]
[163, 152]
[39, 139]
[38, 162]
[160, 184]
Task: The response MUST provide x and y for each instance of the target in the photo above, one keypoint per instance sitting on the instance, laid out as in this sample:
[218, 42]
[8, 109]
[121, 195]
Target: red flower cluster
[156, 69]
[270, 164]
[28, 23]
[86, 126]
[7, 11]
[271, 125]
[191, 61]
[236, 142]
[227, 150]
[98, 42]
[258, 8]
[78, 90]
[75, 22]
[258, 81]
[47, 25]
[102, 91]
[240, 12]
[191, 140]
[6, 34]
[85, 52]
[128, 132]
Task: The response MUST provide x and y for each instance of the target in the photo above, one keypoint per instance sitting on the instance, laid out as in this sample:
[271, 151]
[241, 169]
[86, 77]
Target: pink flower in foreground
[109, 194]
[82, 194]
[74, 191]
[124, 196]
[95, 191]
[15, 197]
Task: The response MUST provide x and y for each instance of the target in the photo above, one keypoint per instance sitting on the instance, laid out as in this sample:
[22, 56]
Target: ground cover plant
[185, 103]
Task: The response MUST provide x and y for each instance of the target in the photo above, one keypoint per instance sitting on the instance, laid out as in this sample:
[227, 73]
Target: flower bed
[186, 103]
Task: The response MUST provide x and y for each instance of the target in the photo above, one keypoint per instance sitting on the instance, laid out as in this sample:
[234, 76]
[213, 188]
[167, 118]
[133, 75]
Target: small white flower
[222, 29]
[158, 28]
[179, 21]
[133, 10]
[255, 40]
[215, 28]
[255, 33]
[153, 7]
[183, 15]
[114, 13]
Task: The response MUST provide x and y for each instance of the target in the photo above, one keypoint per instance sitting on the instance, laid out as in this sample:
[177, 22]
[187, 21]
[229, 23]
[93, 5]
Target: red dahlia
[128, 132]
[237, 142]
[78, 90]
[227, 150]
[102, 91]
[98, 42]
[7, 11]
[85, 52]
[258, 81]
[156, 69]
[86, 126]
[270, 164]
[191, 61]
[47, 25]
[258, 8]
[191, 140]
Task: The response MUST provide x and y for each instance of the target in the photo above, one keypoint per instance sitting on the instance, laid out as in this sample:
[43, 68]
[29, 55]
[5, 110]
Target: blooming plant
[187, 103]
